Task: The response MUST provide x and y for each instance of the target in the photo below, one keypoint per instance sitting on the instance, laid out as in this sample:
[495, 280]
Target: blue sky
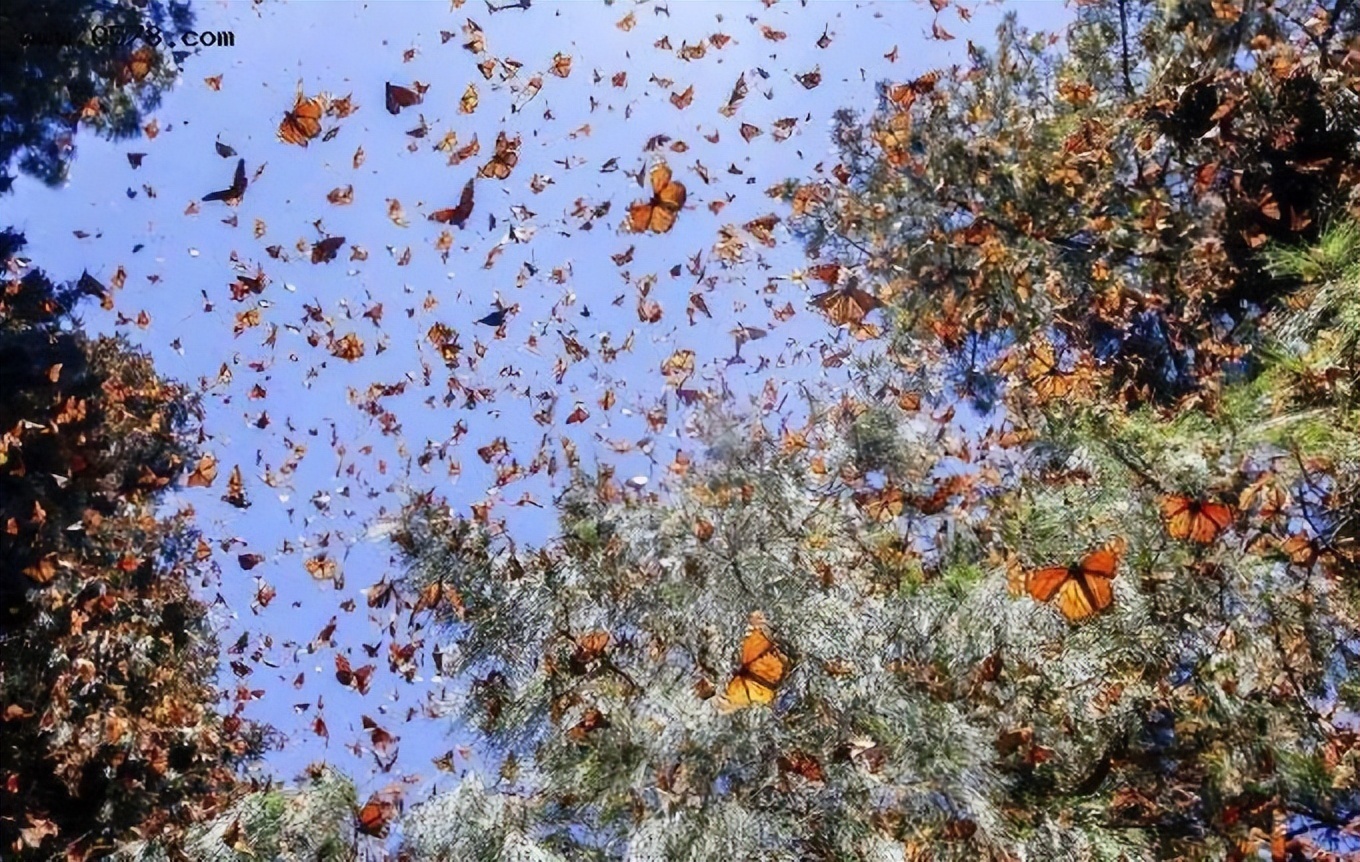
[354, 49]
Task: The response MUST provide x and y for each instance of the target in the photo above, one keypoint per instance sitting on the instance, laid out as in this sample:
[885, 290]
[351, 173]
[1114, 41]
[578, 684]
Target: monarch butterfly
[1198, 520]
[232, 195]
[895, 139]
[846, 306]
[503, 160]
[457, 216]
[903, 96]
[1044, 372]
[302, 123]
[325, 250]
[882, 505]
[658, 214]
[762, 669]
[136, 67]
[1083, 588]
[374, 817]
[401, 97]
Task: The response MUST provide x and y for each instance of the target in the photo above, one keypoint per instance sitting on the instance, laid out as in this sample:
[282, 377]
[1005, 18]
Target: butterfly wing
[1043, 584]
[1083, 596]
[457, 216]
[1178, 514]
[238, 182]
[640, 216]
[1209, 520]
[661, 177]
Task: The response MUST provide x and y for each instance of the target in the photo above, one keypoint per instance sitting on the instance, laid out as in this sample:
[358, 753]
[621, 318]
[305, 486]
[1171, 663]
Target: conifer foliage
[107, 661]
[1071, 574]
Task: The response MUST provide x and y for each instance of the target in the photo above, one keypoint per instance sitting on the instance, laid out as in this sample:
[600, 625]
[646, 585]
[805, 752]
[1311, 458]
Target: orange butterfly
[658, 214]
[902, 96]
[1198, 520]
[503, 160]
[847, 306]
[137, 66]
[302, 123]
[375, 815]
[456, 216]
[763, 668]
[1045, 374]
[1084, 588]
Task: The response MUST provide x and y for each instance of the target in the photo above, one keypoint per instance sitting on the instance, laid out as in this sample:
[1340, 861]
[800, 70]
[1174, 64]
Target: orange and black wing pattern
[1200, 521]
[302, 123]
[763, 667]
[1082, 589]
[848, 305]
[503, 160]
[658, 214]
[456, 216]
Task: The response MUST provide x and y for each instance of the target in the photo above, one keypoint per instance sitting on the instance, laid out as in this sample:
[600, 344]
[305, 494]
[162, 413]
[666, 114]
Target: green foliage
[309, 822]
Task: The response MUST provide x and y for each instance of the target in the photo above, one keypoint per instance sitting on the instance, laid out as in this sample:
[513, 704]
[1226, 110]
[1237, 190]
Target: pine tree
[108, 666]
[1112, 613]
[66, 64]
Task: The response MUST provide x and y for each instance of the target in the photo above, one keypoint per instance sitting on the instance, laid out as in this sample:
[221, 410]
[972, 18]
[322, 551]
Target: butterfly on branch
[762, 670]
[1082, 589]
[1200, 521]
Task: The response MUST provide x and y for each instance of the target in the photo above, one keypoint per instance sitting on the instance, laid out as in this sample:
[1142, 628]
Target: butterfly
[763, 668]
[503, 160]
[233, 194]
[902, 96]
[658, 214]
[401, 97]
[302, 123]
[1083, 588]
[847, 306]
[1198, 520]
[456, 216]
[375, 816]
[1045, 374]
[137, 66]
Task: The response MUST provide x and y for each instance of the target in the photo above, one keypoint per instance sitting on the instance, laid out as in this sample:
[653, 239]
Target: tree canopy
[1071, 573]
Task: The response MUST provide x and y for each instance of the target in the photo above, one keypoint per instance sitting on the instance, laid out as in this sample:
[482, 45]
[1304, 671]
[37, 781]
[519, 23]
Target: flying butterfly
[903, 96]
[232, 195]
[402, 97]
[658, 214]
[1084, 588]
[503, 160]
[847, 305]
[763, 667]
[456, 216]
[1199, 521]
[302, 123]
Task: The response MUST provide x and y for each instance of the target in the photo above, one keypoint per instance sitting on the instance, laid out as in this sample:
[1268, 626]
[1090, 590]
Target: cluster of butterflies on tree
[1078, 590]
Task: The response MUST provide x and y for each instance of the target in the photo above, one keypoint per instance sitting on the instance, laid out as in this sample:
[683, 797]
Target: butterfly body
[233, 194]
